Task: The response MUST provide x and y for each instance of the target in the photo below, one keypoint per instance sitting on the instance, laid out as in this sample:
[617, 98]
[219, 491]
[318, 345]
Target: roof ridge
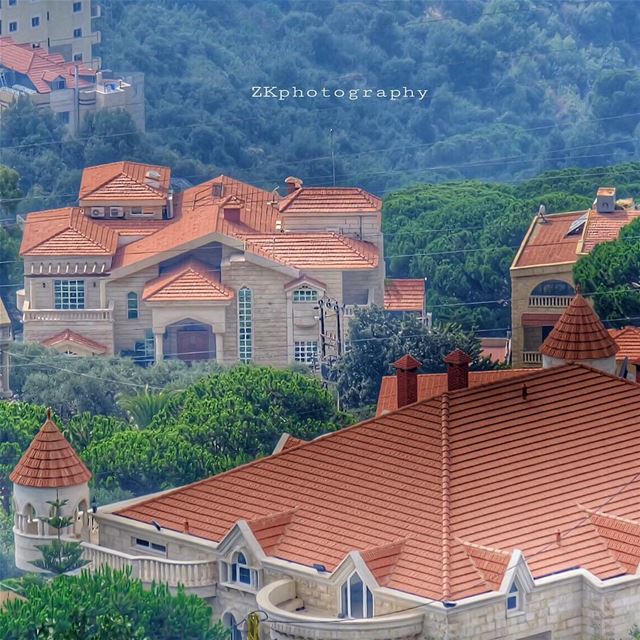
[446, 495]
[76, 216]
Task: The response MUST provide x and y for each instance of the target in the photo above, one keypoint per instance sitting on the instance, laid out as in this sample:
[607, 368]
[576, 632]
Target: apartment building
[70, 90]
[542, 272]
[5, 341]
[63, 27]
[223, 270]
[504, 510]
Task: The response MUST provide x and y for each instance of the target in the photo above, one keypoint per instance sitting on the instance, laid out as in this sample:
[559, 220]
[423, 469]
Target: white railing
[275, 599]
[350, 309]
[558, 302]
[201, 573]
[531, 358]
[67, 315]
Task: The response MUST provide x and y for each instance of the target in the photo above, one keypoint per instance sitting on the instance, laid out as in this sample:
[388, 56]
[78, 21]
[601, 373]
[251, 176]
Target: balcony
[193, 575]
[550, 302]
[96, 10]
[288, 617]
[66, 315]
[531, 359]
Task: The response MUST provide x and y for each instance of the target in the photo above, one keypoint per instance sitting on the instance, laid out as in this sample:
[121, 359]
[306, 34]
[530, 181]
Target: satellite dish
[541, 211]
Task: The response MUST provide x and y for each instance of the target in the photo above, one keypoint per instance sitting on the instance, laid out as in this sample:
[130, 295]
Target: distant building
[223, 270]
[63, 27]
[5, 340]
[507, 509]
[70, 90]
[542, 272]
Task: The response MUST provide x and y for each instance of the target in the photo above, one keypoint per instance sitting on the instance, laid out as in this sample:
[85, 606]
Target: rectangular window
[13, 27]
[305, 351]
[77, 57]
[77, 7]
[69, 294]
[245, 325]
[13, 3]
[136, 211]
[63, 116]
[77, 33]
[153, 546]
[35, 21]
[305, 295]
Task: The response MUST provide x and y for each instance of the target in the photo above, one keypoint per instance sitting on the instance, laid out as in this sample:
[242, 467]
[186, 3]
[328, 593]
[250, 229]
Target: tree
[610, 274]
[142, 407]
[106, 605]
[377, 339]
[60, 556]
[9, 191]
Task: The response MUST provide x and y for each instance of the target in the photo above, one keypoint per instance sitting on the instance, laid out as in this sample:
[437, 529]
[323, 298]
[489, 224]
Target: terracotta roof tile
[496, 349]
[601, 227]
[40, 67]
[330, 200]
[407, 363]
[314, 250]
[628, 341]
[490, 563]
[579, 335]
[434, 384]
[124, 180]
[382, 560]
[71, 337]
[518, 470]
[548, 242]
[404, 295]
[50, 461]
[191, 280]
[622, 537]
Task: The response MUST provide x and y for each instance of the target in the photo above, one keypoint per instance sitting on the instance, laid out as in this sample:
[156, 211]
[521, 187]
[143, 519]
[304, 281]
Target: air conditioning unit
[97, 212]
[116, 212]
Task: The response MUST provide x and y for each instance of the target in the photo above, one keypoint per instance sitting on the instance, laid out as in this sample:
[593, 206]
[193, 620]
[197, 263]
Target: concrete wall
[362, 227]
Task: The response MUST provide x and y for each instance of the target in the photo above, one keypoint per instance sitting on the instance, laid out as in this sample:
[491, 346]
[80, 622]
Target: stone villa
[542, 272]
[223, 270]
[502, 510]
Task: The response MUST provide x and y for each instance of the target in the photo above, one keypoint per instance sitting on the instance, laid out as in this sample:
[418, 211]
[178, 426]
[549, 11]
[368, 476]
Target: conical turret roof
[50, 461]
[579, 335]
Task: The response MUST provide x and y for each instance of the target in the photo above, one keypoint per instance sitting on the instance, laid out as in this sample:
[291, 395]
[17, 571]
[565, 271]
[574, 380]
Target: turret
[579, 336]
[49, 470]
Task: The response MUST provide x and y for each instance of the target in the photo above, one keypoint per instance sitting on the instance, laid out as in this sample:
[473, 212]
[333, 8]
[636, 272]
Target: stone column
[5, 392]
[158, 337]
[219, 347]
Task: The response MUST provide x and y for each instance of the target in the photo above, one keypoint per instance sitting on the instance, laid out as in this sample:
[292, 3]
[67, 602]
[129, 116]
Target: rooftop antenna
[541, 211]
[274, 196]
[333, 158]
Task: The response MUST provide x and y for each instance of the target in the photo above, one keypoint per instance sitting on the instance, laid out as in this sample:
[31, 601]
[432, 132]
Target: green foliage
[106, 605]
[142, 407]
[7, 565]
[610, 273]
[378, 338]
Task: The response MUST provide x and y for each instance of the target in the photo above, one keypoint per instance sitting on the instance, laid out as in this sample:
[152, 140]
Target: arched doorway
[190, 340]
[230, 622]
[80, 519]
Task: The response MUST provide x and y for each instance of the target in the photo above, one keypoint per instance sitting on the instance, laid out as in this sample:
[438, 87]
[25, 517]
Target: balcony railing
[558, 302]
[289, 617]
[190, 574]
[67, 315]
[531, 358]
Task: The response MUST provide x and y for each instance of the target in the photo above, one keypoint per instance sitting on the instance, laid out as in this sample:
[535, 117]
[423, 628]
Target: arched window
[30, 521]
[229, 621]
[554, 288]
[245, 325]
[132, 305]
[514, 598]
[357, 599]
[240, 571]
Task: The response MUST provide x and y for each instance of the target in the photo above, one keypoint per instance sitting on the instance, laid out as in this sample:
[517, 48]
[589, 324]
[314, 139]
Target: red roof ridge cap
[288, 199]
[446, 495]
[605, 514]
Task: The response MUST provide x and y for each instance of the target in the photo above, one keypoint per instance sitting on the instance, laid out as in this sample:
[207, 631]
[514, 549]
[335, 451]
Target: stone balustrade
[67, 315]
[190, 574]
[553, 302]
[531, 359]
[283, 624]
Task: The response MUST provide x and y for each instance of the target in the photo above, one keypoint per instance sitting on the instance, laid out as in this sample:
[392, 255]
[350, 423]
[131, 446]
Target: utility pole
[333, 157]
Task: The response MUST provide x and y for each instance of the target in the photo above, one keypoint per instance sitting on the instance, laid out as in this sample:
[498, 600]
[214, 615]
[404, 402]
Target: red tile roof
[314, 250]
[579, 335]
[330, 200]
[67, 232]
[50, 461]
[601, 227]
[404, 295]
[548, 242]
[628, 341]
[496, 349]
[71, 337]
[40, 67]
[191, 280]
[434, 384]
[124, 180]
[482, 466]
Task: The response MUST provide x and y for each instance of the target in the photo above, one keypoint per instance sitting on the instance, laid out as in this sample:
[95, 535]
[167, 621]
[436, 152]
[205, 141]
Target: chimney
[605, 200]
[293, 184]
[406, 380]
[457, 370]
